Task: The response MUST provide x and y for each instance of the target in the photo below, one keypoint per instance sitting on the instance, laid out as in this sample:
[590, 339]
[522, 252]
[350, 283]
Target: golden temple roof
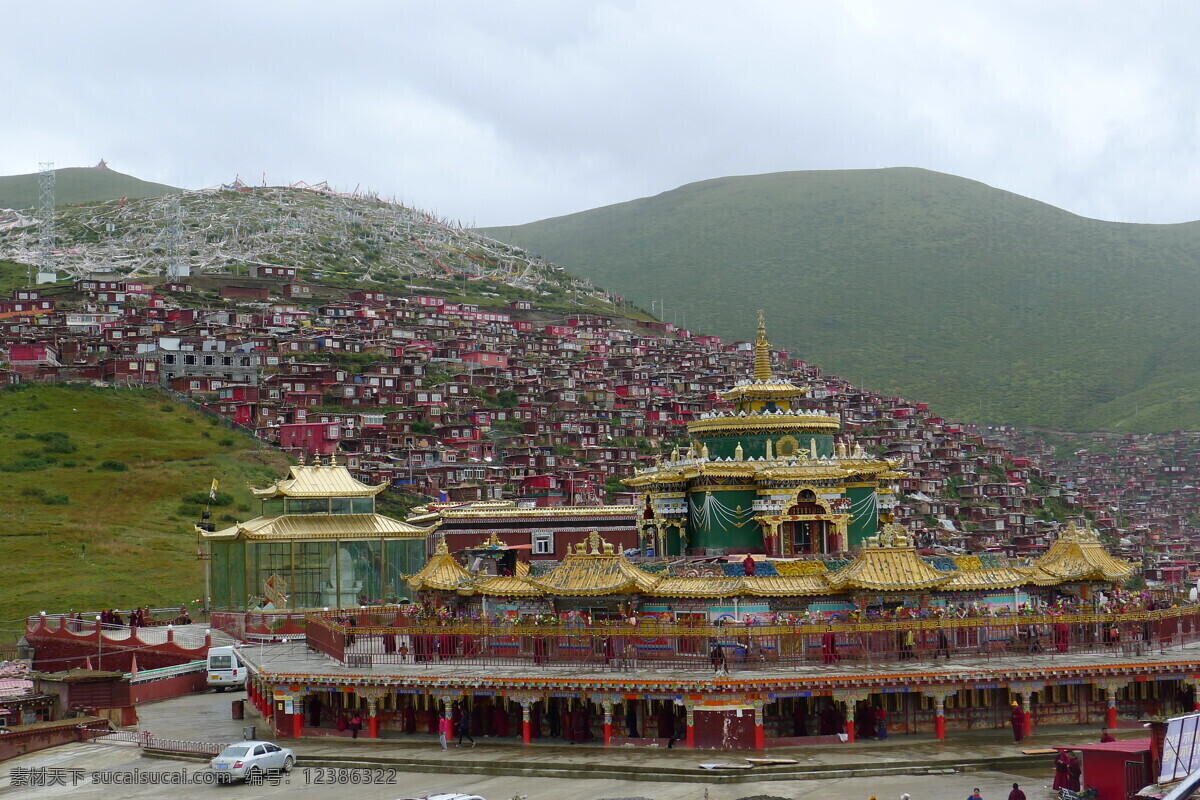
[974, 580]
[888, 563]
[502, 586]
[1077, 555]
[887, 569]
[320, 526]
[600, 570]
[333, 480]
[441, 573]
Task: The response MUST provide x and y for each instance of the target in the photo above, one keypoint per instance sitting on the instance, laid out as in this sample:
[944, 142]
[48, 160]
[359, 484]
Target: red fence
[736, 647]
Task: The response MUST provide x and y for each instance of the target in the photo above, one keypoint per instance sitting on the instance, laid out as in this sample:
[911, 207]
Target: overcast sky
[498, 112]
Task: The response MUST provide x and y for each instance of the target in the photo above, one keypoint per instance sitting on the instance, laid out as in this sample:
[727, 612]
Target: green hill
[76, 185]
[991, 306]
[94, 506]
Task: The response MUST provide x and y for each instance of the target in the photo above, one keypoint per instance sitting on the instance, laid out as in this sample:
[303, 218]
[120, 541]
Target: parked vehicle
[248, 759]
[225, 669]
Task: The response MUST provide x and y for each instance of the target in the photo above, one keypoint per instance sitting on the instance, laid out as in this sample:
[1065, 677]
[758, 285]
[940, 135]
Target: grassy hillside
[991, 306]
[93, 506]
[76, 185]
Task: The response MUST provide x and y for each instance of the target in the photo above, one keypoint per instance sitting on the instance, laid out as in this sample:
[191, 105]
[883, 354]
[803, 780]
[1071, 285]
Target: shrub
[56, 500]
[226, 442]
[21, 435]
[56, 442]
[69, 464]
[111, 465]
[166, 407]
[25, 465]
[202, 499]
[32, 491]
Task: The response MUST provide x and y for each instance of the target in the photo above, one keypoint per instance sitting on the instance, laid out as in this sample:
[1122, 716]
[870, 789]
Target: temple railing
[651, 644]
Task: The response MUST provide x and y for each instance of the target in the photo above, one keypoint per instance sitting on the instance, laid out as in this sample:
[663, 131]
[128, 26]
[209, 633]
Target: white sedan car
[251, 759]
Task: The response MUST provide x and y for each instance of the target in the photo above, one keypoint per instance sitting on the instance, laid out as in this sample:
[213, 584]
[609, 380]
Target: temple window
[307, 505]
[272, 507]
[362, 505]
[339, 505]
[543, 543]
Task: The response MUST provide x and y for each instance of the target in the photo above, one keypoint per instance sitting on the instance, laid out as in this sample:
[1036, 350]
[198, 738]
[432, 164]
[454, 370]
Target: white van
[225, 670]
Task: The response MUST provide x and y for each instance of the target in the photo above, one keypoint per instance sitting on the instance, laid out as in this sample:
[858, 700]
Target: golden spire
[762, 352]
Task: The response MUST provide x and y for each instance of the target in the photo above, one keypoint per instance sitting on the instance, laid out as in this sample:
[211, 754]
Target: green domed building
[764, 476]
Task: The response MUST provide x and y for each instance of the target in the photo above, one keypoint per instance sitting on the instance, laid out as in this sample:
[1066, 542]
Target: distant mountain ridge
[991, 306]
[74, 185]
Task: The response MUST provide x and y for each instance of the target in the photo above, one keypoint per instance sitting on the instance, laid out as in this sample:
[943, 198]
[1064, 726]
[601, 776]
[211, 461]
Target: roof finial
[300, 458]
[333, 459]
[762, 352]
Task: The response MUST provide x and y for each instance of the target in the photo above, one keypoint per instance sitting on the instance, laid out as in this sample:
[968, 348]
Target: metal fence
[743, 647]
[146, 740]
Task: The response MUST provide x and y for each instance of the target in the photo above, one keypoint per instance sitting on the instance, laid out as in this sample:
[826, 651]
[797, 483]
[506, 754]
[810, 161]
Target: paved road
[88, 765]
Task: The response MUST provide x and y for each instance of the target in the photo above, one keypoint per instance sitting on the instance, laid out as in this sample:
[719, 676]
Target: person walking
[1018, 722]
[1061, 764]
[975, 795]
[943, 645]
[680, 730]
[355, 725]
[880, 722]
[464, 727]
[1106, 737]
[444, 731]
[1016, 793]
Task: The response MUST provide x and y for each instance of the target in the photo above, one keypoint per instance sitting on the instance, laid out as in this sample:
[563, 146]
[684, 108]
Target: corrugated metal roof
[321, 526]
[319, 481]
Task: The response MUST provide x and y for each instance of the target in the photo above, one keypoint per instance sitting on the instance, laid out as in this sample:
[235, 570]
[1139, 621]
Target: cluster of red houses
[463, 403]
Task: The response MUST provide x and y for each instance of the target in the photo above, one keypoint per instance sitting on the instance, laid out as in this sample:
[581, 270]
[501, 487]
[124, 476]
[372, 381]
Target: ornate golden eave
[764, 423]
[319, 526]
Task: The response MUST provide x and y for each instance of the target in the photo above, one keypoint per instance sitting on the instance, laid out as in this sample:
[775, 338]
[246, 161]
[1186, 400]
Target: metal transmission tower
[173, 239]
[46, 185]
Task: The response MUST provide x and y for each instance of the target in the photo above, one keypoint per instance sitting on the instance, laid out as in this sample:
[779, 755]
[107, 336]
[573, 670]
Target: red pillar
[760, 735]
[607, 733]
[1028, 716]
[691, 731]
[850, 722]
[373, 726]
[939, 724]
[298, 725]
[1111, 716]
[526, 731]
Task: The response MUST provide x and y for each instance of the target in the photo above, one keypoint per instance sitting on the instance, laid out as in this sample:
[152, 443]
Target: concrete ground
[416, 766]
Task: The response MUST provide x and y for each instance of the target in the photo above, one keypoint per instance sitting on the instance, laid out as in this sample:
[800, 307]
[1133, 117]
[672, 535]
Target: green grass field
[74, 185]
[990, 306]
[92, 497]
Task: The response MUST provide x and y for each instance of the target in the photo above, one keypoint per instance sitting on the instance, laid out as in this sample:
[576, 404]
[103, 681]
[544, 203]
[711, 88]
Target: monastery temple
[759, 593]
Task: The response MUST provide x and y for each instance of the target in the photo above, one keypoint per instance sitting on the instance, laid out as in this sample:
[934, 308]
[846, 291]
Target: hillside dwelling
[273, 273]
[298, 291]
[376, 299]
[39, 353]
[177, 287]
[261, 293]
[521, 305]
[314, 438]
